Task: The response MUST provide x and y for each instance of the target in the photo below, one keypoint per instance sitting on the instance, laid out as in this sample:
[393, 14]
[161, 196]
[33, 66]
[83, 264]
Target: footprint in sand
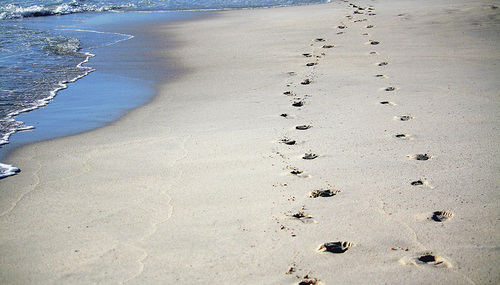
[403, 136]
[342, 27]
[403, 118]
[390, 88]
[383, 63]
[370, 26]
[427, 258]
[300, 173]
[311, 64]
[328, 46]
[303, 127]
[441, 216]
[388, 103]
[298, 103]
[419, 156]
[323, 193]
[307, 54]
[306, 82]
[310, 281]
[335, 247]
[301, 216]
[288, 141]
[319, 40]
[288, 93]
[309, 156]
[373, 43]
[287, 116]
[374, 53]
[420, 182]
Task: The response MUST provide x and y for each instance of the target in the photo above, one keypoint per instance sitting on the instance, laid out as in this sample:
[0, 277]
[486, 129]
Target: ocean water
[42, 52]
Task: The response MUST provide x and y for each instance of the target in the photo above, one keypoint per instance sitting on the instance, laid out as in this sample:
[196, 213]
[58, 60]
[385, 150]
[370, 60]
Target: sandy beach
[393, 106]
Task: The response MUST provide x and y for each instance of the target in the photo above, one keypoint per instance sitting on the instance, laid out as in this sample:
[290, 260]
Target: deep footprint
[383, 63]
[298, 103]
[427, 258]
[306, 82]
[336, 247]
[441, 216]
[417, 183]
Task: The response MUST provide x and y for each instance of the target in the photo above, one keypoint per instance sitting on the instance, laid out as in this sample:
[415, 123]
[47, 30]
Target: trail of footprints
[314, 59]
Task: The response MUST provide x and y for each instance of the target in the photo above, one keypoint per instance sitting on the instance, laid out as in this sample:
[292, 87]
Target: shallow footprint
[306, 82]
[310, 156]
[427, 258]
[420, 182]
[301, 216]
[441, 216]
[310, 281]
[388, 103]
[419, 156]
[303, 127]
[335, 247]
[323, 193]
[300, 173]
[287, 116]
[288, 141]
[383, 63]
[403, 136]
[403, 118]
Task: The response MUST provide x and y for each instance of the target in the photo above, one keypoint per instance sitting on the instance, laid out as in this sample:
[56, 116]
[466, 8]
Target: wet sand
[393, 107]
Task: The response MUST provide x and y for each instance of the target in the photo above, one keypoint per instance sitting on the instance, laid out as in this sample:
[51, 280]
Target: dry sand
[196, 187]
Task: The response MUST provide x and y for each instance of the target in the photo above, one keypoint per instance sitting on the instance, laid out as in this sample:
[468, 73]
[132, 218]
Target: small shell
[336, 247]
[323, 193]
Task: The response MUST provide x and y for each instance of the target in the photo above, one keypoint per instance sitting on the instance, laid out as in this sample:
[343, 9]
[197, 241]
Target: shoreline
[210, 191]
[82, 108]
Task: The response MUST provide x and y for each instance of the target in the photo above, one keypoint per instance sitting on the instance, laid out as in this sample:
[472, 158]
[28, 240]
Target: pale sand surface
[195, 188]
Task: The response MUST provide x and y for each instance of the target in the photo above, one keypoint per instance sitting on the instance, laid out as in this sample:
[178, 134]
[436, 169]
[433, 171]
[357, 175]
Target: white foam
[7, 170]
